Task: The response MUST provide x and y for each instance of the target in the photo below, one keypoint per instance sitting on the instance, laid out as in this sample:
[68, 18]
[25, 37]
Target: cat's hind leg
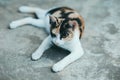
[29, 20]
[38, 11]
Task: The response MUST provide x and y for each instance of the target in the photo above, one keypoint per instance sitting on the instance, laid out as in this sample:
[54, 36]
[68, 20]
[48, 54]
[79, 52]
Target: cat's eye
[65, 35]
[53, 23]
[68, 36]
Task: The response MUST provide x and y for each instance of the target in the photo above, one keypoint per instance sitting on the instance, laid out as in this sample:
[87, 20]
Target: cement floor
[101, 42]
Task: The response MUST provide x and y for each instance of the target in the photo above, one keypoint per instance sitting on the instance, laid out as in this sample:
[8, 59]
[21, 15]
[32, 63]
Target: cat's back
[63, 12]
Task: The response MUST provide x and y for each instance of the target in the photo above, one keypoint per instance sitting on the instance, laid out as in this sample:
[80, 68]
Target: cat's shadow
[55, 53]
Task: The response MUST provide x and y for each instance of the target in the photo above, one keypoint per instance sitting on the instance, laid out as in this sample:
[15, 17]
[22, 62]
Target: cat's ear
[52, 19]
[73, 23]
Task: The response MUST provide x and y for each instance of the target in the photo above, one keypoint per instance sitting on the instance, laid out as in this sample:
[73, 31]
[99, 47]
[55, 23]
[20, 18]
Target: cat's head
[62, 30]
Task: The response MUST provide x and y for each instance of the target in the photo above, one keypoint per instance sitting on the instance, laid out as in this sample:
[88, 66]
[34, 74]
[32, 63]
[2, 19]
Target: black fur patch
[56, 9]
[65, 15]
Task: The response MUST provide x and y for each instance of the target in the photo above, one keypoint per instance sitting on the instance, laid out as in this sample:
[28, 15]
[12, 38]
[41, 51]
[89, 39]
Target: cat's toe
[57, 68]
[35, 56]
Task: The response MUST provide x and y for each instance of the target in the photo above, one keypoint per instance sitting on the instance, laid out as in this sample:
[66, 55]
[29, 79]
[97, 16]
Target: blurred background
[101, 42]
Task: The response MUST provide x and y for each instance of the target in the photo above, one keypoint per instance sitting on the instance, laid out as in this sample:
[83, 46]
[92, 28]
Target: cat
[65, 27]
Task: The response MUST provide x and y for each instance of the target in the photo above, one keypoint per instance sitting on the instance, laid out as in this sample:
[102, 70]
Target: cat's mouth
[56, 44]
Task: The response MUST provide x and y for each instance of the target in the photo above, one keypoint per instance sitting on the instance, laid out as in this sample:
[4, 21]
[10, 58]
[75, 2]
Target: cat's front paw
[57, 67]
[36, 56]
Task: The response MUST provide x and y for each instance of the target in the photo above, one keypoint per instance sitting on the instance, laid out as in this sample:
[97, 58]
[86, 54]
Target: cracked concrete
[101, 60]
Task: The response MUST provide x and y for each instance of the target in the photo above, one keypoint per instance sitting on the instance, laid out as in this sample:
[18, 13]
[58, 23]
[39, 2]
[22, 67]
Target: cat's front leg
[74, 55]
[44, 46]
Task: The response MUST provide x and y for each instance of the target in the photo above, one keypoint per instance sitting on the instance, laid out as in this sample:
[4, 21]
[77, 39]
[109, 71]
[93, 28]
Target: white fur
[56, 40]
[40, 13]
[74, 46]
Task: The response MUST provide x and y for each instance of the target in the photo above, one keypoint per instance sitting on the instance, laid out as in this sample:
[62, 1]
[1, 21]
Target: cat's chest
[67, 46]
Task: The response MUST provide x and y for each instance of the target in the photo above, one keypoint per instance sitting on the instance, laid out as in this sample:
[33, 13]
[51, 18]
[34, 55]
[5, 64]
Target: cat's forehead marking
[64, 22]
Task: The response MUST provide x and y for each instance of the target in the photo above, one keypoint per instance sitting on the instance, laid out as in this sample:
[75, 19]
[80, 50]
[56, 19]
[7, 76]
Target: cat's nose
[56, 42]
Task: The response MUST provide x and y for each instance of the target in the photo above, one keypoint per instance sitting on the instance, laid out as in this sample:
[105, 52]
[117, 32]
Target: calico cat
[65, 27]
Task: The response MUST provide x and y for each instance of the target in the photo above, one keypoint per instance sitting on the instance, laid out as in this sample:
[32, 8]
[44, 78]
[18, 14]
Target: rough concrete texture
[101, 60]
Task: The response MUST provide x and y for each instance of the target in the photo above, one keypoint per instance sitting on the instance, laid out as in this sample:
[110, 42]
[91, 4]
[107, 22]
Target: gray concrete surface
[101, 42]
